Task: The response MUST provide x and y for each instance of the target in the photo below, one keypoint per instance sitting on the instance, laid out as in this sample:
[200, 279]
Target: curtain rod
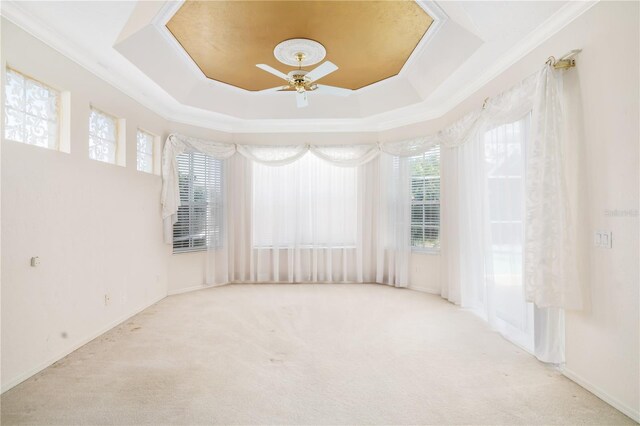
[565, 62]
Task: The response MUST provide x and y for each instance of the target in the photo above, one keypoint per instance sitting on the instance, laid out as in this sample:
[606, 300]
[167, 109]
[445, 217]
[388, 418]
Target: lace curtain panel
[551, 278]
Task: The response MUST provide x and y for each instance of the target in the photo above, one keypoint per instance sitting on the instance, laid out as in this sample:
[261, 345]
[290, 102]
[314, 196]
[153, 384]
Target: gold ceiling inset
[368, 40]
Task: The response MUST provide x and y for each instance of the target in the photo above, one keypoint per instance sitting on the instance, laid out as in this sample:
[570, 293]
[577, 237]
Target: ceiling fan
[302, 81]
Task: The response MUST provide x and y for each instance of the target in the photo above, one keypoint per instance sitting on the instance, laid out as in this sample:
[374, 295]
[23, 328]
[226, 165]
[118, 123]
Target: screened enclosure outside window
[30, 111]
[200, 216]
[425, 200]
[103, 136]
[144, 148]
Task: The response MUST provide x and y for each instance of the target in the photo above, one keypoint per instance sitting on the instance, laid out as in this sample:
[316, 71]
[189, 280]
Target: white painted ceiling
[127, 44]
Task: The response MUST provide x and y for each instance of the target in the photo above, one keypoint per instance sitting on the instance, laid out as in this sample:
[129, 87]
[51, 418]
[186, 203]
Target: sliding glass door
[504, 148]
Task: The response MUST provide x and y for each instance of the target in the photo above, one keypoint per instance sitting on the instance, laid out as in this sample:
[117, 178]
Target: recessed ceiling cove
[369, 40]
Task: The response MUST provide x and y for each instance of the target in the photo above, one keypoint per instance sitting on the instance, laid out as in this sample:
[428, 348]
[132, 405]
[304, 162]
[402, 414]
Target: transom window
[425, 200]
[144, 158]
[103, 136]
[30, 111]
[200, 215]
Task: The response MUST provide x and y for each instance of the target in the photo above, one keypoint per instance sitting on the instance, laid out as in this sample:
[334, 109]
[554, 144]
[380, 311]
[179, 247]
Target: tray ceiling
[128, 44]
[369, 40]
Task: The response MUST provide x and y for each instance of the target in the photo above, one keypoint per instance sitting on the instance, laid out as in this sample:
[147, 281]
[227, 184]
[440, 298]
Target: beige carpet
[302, 354]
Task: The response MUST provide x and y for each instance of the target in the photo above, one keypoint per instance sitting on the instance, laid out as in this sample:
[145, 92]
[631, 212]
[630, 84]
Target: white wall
[602, 343]
[424, 272]
[93, 225]
[96, 227]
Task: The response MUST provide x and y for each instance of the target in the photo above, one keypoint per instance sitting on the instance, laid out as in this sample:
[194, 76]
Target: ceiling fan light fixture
[300, 53]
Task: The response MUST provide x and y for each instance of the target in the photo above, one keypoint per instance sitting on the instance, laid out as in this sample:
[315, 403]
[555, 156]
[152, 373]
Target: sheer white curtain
[463, 224]
[506, 307]
[305, 221]
[392, 215]
[483, 237]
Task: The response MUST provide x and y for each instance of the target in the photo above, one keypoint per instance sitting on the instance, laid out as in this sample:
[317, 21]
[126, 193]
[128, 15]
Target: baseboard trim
[603, 395]
[421, 289]
[193, 288]
[205, 286]
[31, 372]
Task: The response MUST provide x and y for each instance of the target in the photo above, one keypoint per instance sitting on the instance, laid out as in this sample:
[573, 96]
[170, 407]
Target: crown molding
[170, 110]
[567, 14]
[173, 111]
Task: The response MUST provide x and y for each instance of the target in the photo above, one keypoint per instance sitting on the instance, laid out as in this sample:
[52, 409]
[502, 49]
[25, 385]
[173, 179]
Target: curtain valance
[507, 106]
[271, 155]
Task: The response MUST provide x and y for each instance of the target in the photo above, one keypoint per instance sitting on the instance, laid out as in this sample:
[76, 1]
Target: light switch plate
[603, 239]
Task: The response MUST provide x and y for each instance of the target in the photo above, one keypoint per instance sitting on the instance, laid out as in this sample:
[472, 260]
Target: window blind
[425, 200]
[200, 217]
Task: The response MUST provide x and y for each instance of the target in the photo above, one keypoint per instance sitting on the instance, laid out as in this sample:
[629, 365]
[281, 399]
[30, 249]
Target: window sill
[433, 251]
[189, 252]
[303, 247]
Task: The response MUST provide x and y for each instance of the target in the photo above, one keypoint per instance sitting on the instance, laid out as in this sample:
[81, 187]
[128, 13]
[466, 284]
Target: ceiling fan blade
[332, 90]
[325, 69]
[273, 71]
[273, 89]
[301, 99]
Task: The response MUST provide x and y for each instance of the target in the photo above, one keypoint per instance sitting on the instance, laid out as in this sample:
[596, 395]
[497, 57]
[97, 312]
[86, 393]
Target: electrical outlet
[107, 300]
[35, 261]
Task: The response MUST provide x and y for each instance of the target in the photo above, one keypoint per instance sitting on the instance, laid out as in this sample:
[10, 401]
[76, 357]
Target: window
[144, 158]
[200, 220]
[103, 136]
[31, 111]
[425, 200]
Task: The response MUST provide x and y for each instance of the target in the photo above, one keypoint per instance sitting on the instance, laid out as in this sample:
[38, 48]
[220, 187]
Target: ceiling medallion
[290, 51]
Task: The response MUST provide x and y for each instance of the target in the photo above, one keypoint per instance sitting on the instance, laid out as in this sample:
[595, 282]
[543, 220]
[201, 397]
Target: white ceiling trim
[160, 24]
[551, 26]
[176, 112]
[173, 111]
